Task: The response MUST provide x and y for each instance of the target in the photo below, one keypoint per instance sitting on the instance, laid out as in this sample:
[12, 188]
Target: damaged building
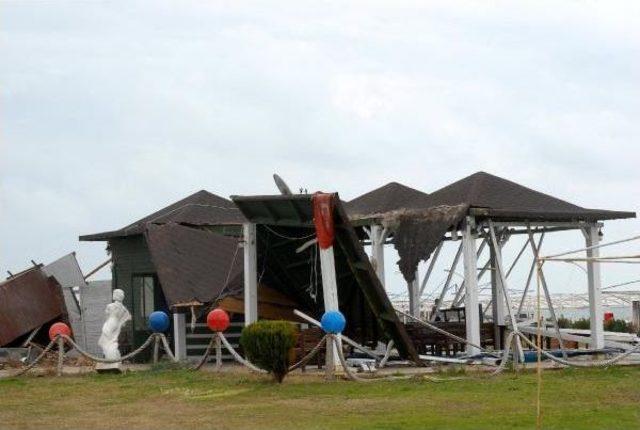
[43, 294]
[256, 257]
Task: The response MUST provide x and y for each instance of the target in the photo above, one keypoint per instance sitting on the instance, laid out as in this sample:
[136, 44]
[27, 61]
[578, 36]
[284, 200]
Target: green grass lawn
[572, 399]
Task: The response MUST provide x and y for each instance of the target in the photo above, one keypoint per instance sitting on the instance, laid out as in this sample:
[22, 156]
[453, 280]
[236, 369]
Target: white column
[179, 336]
[330, 296]
[414, 295]
[250, 274]
[595, 296]
[497, 296]
[499, 309]
[377, 250]
[472, 314]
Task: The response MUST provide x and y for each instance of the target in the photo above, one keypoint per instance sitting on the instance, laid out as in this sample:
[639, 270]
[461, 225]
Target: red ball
[59, 328]
[218, 320]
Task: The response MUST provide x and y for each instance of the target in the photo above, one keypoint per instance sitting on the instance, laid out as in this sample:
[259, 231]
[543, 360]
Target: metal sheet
[27, 301]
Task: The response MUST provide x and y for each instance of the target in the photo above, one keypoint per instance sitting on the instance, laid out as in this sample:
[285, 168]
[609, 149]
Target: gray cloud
[112, 110]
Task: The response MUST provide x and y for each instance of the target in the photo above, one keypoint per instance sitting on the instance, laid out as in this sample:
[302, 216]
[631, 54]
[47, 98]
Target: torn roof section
[28, 300]
[416, 233]
[390, 197]
[199, 209]
[284, 224]
[194, 266]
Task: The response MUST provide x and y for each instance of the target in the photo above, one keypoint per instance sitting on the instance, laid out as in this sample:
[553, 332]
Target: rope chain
[309, 356]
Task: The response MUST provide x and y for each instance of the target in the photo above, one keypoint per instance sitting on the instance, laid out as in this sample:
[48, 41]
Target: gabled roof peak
[199, 208]
[389, 197]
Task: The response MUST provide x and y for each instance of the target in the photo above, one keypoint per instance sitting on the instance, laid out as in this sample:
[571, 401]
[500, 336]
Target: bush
[582, 324]
[267, 344]
[618, 325]
[564, 322]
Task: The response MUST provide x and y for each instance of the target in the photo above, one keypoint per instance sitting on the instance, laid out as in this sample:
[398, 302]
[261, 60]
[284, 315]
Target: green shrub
[582, 324]
[564, 322]
[618, 325]
[267, 344]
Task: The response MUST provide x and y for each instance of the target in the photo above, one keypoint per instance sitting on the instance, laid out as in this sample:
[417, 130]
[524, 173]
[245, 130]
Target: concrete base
[108, 368]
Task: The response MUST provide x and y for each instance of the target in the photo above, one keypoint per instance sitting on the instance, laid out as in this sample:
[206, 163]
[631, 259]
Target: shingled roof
[193, 265]
[489, 195]
[387, 198]
[199, 209]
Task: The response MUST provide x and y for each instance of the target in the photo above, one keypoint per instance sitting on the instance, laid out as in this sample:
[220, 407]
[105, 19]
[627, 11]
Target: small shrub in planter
[267, 344]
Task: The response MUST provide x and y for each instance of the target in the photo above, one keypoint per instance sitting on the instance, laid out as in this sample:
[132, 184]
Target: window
[143, 290]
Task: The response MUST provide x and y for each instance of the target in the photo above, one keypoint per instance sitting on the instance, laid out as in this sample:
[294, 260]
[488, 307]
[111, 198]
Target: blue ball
[158, 321]
[333, 322]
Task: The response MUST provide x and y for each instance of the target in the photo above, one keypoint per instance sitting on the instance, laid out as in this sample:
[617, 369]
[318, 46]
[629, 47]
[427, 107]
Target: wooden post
[179, 336]
[377, 237]
[218, 352]
[472, 316]
[156, 349]
[635, 315]
[595, 295]
[60, 342]
[250, 274]
[497, 301]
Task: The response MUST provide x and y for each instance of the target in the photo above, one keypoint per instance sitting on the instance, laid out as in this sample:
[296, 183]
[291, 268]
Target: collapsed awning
[288, 264]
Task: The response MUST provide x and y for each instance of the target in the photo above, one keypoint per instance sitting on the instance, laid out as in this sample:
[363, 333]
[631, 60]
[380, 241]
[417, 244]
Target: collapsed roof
[284, 225]
[199, 209]
[28, 300]
[193, 265]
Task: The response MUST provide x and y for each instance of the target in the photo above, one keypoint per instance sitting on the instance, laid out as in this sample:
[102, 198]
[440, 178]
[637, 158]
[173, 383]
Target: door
[147, 297]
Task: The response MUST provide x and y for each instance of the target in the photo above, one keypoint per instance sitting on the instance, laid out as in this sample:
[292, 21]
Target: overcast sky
[111, 110]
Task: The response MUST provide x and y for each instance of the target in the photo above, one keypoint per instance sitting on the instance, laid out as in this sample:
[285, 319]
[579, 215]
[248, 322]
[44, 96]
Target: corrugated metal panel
[68, 274]
[27, 301]
[95, 296]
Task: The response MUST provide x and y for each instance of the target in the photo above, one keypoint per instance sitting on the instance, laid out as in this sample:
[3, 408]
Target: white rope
[206, 354]
[602, 363]
[309, 356]
[347, 370]
[110, 361]
[167, 348]
[237, 356]
[38, 358]
[387, 354]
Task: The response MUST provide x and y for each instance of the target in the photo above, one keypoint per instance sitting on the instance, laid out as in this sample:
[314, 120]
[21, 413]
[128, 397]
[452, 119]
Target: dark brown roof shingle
[201, 209]
[193, 265]
[499, 197]
[390, 197]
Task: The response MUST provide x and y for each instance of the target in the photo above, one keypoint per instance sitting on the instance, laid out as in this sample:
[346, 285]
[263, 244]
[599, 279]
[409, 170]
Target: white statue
[117, 316]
